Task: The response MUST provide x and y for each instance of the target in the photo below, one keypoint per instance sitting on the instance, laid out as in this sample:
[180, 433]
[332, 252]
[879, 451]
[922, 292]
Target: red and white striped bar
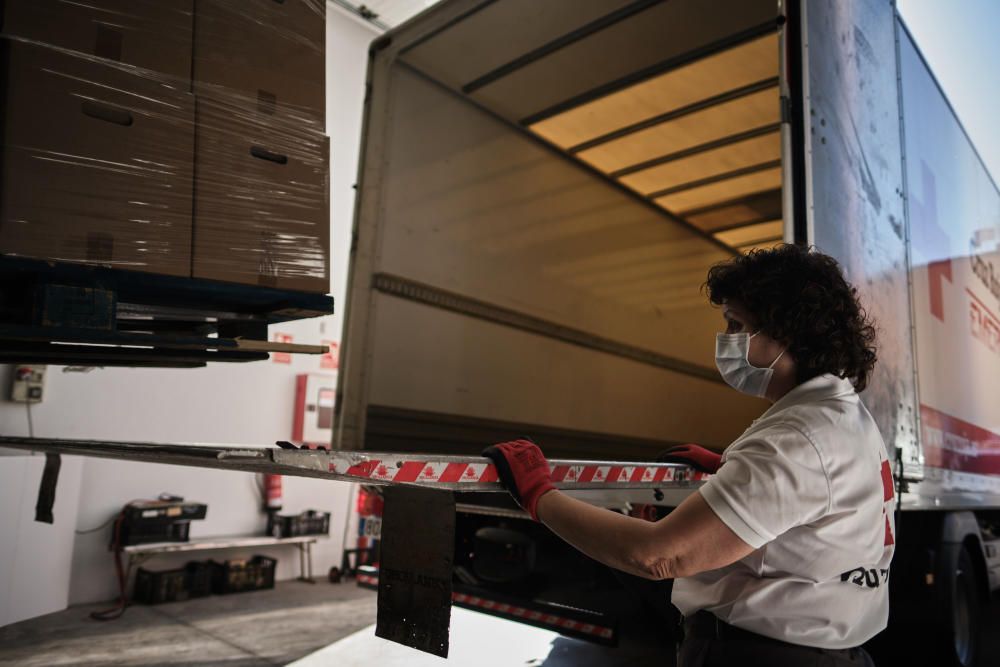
[454, 473]
[477, 473]
[554, 621]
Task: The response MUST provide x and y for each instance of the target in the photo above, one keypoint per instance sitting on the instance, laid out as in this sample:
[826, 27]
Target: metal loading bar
[451, 473]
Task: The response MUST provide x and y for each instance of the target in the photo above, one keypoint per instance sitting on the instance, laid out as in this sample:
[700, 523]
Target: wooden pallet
[65, 313]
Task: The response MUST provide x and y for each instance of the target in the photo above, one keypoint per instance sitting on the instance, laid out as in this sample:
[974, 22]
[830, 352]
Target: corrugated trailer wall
[855, 188]
[483, 300]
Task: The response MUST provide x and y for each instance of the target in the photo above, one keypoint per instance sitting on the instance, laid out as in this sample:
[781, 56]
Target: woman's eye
[733, 327]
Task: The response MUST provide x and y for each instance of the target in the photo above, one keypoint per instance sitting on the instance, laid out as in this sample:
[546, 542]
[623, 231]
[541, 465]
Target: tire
[960, 595]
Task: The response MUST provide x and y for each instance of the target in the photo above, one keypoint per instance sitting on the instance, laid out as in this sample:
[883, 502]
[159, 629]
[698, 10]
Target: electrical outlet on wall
[27, 384]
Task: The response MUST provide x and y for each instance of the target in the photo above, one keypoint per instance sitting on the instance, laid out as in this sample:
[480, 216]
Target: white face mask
[731, 352]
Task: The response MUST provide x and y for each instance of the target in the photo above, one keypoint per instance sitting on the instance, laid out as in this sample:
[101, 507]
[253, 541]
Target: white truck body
[517, 265]
[543, 186]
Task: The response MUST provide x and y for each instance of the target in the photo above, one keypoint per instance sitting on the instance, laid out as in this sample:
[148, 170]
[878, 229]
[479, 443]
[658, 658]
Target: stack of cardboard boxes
[180, 137]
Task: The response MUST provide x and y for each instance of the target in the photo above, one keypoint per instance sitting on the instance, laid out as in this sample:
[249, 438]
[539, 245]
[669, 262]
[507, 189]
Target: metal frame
[155, 290]
[102, 355]
[435, 471]
[137, 554]
[794, 139]
[117, 317]
[909, 471]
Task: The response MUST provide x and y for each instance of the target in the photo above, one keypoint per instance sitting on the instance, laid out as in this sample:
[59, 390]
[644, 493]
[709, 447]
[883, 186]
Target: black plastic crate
[191, 581]
[310, 522]
[239, 575]
[149, 533]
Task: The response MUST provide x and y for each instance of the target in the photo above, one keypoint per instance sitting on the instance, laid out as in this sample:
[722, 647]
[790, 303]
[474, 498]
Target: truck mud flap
[414, 581]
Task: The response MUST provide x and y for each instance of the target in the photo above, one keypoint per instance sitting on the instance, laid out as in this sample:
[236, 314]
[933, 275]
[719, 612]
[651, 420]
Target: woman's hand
[523, 470]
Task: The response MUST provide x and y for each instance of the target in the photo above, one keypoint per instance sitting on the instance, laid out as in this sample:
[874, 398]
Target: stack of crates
[194, 580]
[173, 137]
[200, 578]
[310, 522]
[242, 575]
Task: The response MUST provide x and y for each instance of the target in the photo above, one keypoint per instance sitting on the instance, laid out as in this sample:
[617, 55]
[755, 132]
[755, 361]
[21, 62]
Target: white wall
[35, 558]
[43, 568]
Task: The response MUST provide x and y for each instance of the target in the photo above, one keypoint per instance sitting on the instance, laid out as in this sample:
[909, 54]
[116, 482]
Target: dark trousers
[709, 642]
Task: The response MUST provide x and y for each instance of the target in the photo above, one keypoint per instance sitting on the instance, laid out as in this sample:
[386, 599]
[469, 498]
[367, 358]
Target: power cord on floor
[121, 572]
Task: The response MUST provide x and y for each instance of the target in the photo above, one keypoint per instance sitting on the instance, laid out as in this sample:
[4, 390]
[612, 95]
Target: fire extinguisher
[272, 493]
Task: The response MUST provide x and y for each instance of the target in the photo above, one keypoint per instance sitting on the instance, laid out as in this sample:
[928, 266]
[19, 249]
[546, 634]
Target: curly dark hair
[799, 297]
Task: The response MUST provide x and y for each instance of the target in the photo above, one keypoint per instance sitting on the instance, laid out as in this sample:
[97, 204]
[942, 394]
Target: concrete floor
[308, 625]
[479, 640]
[243, 630]
[314, 626]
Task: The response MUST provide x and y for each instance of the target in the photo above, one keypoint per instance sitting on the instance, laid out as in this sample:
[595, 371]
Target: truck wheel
[962, 606]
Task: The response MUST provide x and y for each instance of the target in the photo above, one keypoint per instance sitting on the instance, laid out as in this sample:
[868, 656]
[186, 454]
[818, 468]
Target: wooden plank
[252, 345]
[745, 153]
[710, 76]
[743, 236]
[687, 131]
[722, 190]
[756, 208]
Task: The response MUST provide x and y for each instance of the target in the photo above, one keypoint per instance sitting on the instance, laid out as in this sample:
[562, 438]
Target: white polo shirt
[808, 485]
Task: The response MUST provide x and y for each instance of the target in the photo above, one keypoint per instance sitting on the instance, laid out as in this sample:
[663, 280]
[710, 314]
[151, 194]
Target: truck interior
[566, 178]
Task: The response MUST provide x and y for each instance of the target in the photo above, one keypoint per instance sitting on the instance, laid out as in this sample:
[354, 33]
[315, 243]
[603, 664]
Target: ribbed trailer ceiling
[677, 101]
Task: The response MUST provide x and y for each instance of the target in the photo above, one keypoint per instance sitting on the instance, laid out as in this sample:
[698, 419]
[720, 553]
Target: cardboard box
[151, 34]
[262, 200]
[96, 163]
[268, 55]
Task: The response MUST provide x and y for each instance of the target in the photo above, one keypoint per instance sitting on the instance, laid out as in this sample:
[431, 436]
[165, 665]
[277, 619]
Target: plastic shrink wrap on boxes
[177, 137]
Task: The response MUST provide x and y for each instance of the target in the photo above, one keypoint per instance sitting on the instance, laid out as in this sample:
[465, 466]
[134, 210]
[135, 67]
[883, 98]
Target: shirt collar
[818, 388]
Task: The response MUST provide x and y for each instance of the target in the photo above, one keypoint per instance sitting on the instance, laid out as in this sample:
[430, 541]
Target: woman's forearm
[618, 541]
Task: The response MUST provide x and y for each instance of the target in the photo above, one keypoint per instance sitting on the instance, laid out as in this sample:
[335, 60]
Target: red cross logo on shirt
[888, 494]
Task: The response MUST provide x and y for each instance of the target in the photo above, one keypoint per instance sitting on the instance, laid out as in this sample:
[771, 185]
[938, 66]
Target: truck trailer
[542, 189]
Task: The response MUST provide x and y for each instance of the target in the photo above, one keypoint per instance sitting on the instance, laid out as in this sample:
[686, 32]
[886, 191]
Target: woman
[782, 557]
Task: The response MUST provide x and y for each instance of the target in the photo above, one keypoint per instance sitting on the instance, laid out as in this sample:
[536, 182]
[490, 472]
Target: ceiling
[698, 141]
[688, 120]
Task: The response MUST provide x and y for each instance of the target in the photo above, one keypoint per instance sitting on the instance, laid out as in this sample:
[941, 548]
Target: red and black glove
[697, 457]
[523, 470]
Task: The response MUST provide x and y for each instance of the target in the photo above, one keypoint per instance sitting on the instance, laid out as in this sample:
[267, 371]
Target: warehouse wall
[43, 568]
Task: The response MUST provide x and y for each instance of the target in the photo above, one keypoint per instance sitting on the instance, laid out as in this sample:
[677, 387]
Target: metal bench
[139, 553]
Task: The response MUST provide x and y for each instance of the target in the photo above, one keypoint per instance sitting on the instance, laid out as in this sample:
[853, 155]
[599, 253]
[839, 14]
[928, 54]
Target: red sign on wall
[282, 357]
[331, 358]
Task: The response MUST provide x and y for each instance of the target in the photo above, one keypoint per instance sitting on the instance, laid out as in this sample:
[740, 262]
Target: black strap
[47, 488]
